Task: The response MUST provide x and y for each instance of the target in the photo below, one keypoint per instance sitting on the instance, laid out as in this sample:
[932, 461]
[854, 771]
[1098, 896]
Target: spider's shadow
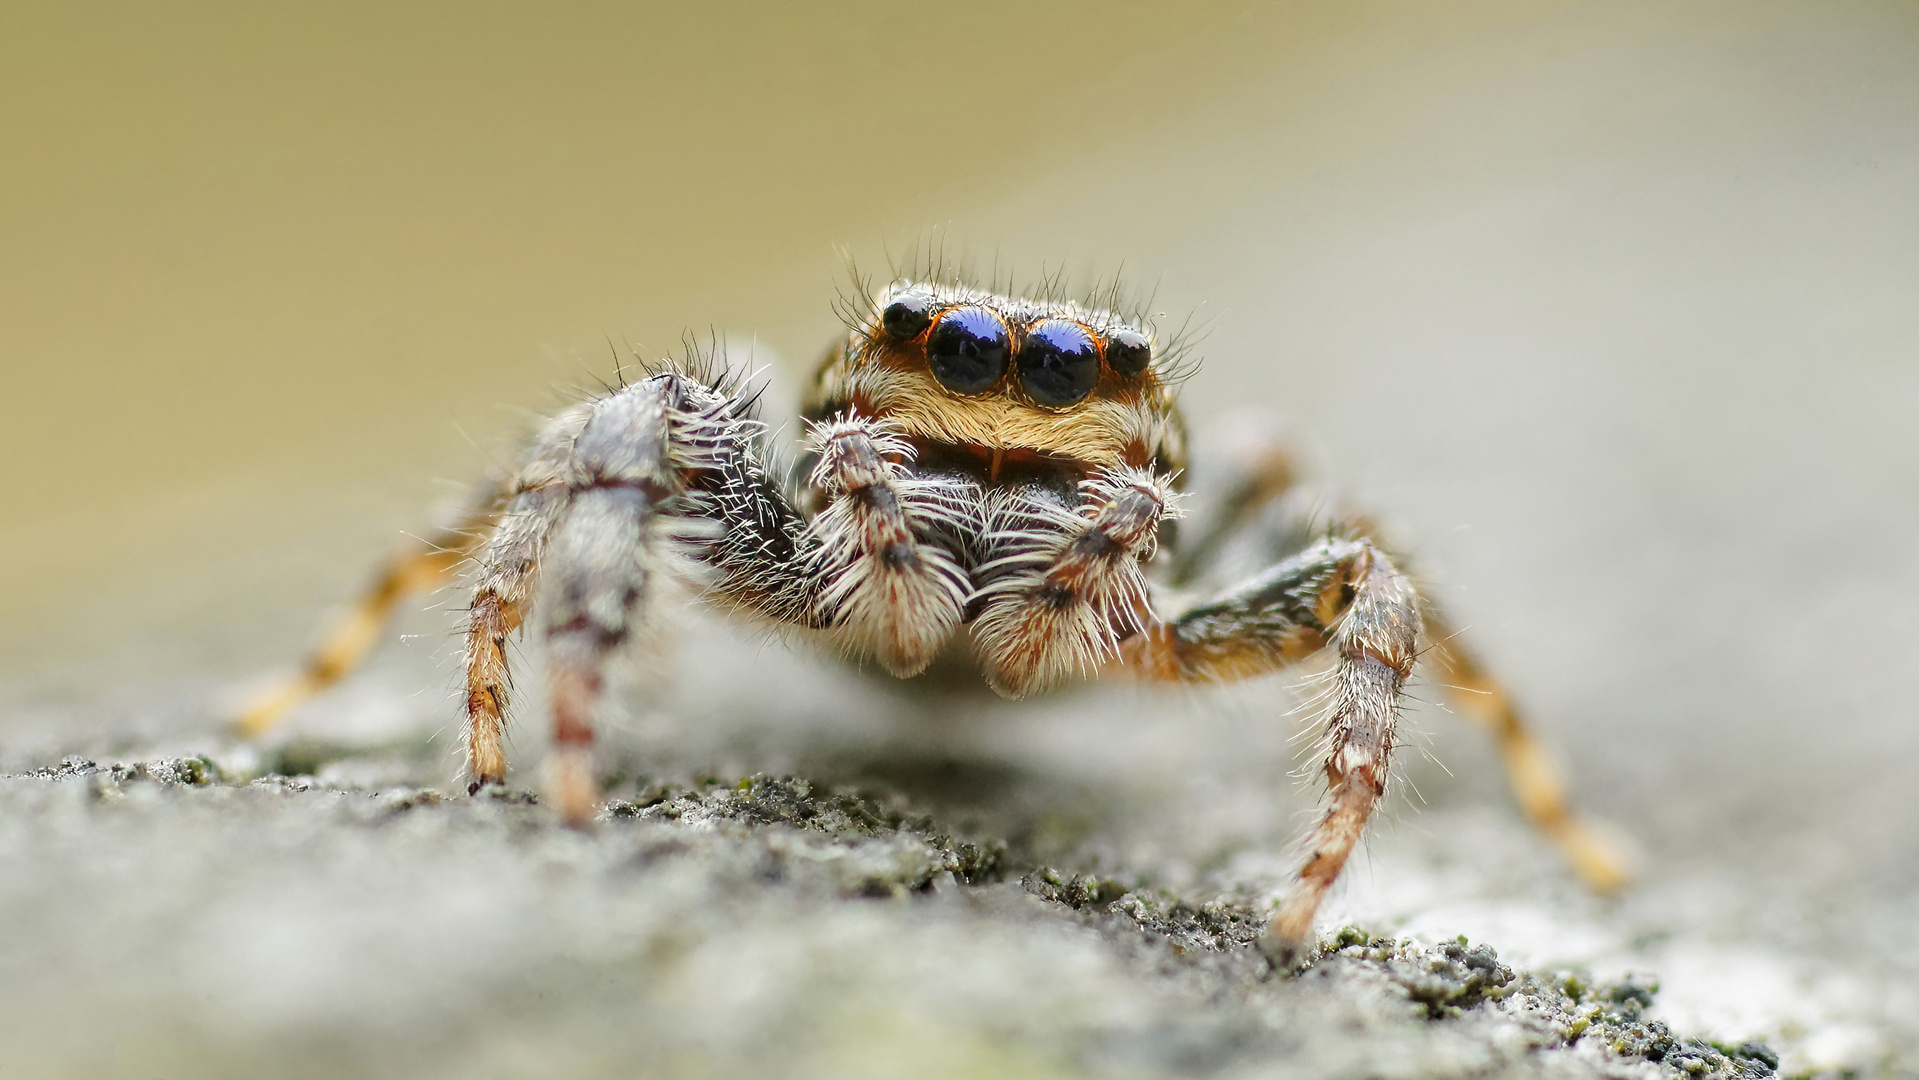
[940, 745]
[1040, 818]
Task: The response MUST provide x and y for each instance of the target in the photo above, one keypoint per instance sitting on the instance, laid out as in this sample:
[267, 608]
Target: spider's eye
[907, 315]
[1058, 363]
[1128, 352]
[967, 350]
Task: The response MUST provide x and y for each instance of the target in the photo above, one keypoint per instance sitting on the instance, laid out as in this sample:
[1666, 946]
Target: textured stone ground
[808, 873]
[914, 880]
[294, 925]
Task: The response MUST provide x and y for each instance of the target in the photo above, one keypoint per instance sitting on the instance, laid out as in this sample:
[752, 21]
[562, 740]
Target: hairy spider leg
[584, 518]
[423, 566]
[1342, 592]
[1535, 779]
[507, 566]
[1261, 501]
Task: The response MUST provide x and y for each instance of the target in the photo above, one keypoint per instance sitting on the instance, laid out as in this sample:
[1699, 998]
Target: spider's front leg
[585, 516]
[1342, 592]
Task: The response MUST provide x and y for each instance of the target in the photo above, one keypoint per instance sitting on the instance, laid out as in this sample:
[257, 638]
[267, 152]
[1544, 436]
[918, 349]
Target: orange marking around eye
[1124, 421]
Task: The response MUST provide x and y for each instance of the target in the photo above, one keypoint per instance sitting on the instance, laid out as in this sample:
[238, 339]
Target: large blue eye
[1058, 363]
[967, 350]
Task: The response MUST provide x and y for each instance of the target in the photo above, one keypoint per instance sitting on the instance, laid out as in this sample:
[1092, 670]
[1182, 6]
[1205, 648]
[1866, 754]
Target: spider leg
[1259, 475]
[586, 524]
[1343, 593]
[1060, 586]
[506, 569]
[666, 447]
[423, 566]
[1265, 511]
[1535, 780]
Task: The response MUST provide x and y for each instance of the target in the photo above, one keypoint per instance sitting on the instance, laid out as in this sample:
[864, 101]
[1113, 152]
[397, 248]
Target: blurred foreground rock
[189, 919]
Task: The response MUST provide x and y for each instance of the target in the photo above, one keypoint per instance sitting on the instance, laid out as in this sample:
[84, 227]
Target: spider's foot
[485, 761]
[266, 709]
[484, 779]
[1289, 941]
[1597, 855]
[570, 787]
[1287, 955]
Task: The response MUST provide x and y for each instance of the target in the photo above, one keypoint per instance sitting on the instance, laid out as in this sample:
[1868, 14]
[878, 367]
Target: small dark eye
[1128, 352]
[907, 315]
[1058, 363]
[967, 350]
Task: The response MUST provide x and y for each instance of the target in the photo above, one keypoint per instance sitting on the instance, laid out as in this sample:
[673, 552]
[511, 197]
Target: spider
[978, 468]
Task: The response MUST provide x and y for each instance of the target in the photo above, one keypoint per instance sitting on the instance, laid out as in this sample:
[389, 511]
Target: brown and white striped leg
[1060, 586]
[632, 456]
[502, 592]
[1375, 641]
[668, 447]
[423, 566]
[1262, 514]
[892, 587]
[599, 566]
[579, 519]
[1535, 780]
[1342, 593]
[586, 520]
[506, 568]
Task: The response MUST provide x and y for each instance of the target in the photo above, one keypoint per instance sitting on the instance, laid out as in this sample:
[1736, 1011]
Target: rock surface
[197, 922]
[804, 872]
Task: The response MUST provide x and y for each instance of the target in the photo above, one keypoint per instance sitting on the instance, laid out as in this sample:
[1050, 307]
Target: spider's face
[971, 374]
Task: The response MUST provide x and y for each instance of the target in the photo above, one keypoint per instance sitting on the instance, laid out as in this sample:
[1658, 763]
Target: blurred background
[1606, 309]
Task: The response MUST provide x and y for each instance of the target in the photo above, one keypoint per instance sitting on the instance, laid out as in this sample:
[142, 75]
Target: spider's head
[971, 373]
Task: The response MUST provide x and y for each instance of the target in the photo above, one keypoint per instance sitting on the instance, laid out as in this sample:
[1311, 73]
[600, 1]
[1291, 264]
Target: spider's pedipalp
[891, 585]
[1059, 587]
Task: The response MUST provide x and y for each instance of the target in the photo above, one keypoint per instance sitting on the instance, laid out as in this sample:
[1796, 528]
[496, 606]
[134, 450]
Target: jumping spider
[977, 466]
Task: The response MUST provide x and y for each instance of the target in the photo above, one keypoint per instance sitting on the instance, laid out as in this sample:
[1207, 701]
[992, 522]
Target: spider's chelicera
[981, 471]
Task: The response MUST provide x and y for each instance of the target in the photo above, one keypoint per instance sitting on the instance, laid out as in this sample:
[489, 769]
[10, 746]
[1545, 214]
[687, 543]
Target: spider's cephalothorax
[979, 470]
[1006, 386]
